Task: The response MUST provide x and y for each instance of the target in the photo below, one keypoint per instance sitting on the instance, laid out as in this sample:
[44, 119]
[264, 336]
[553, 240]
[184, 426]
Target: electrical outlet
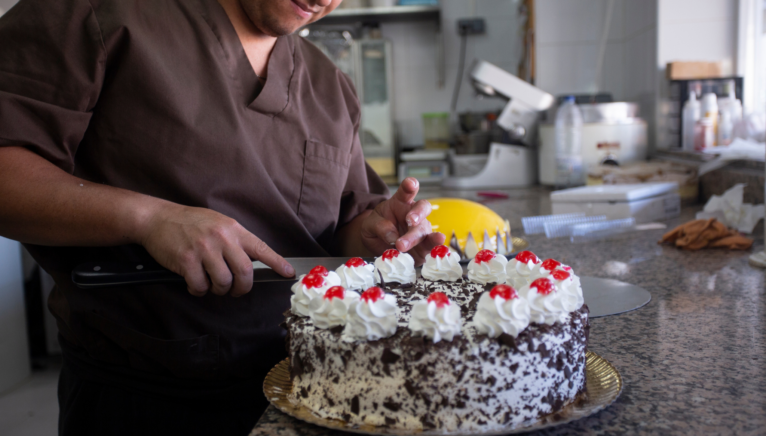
[471, 26]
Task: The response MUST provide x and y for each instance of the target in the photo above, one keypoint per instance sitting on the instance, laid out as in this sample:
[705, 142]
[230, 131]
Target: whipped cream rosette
[331, 309]
[331, 277]
[372, 317]
[522, 269]
[442, 264]
[356, 274]
[487, 267]
[395, 266]
[501, 311]
[547, 305]
[565, 280]
[436, 318]
[307, 288]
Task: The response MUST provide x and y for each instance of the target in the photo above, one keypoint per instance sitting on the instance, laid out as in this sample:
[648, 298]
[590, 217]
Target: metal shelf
[387, 14]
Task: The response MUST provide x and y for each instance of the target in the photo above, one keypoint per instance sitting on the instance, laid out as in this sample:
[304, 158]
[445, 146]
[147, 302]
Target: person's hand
[403, 223]
[211, 251]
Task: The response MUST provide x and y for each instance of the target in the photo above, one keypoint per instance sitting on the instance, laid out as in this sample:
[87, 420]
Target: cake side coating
[472, 383]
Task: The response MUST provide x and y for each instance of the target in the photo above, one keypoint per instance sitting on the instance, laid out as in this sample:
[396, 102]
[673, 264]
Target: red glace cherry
[372, 294]
[390, 254]
[543, 285]
[484, 256]
[313, 281]
[319, 269]
[503, 291]
[355, 261]
[526, 257]
[550, 264]
[439, 251]
[560, 275]
[439, 298]
[334, 292]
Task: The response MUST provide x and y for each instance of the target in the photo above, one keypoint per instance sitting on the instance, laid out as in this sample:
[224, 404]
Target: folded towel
[709, 233]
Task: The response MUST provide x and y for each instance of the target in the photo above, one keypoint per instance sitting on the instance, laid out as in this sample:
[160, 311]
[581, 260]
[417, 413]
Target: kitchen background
[558, 45]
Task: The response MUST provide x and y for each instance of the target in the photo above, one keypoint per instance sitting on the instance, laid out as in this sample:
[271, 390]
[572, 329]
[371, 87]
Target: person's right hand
[210, 250]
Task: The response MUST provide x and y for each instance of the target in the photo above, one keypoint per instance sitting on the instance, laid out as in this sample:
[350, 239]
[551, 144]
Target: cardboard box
[685, 70]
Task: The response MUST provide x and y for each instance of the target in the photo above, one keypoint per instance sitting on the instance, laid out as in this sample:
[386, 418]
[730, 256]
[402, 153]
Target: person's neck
[257, 44]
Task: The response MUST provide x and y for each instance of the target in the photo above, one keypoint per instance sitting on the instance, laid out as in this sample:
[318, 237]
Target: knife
[92, 275]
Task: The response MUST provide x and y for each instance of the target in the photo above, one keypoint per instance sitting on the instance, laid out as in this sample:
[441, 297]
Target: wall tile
[687, 11]
[704, 41]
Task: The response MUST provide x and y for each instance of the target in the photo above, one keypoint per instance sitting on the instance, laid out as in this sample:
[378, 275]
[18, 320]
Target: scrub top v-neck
[160, 98]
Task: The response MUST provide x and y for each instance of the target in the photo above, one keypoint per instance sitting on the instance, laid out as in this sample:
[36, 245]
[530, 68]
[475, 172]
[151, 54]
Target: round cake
[500, 346]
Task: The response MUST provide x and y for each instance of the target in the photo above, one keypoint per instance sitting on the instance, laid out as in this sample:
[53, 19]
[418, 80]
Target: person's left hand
[401, 222]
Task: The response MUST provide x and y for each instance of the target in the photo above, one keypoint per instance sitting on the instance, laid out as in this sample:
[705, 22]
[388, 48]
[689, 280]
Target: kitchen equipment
[428, 166]
[603, 384]
[436, 130]
[643, 201]
[100, 274]
[611, 132]
[520, 115]
[507, 166]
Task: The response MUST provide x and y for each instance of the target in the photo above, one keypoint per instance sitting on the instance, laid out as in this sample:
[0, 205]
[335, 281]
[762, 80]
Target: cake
[440, 351]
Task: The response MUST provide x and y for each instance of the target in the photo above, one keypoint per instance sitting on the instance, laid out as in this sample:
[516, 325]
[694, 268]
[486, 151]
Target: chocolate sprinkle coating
[473, 383]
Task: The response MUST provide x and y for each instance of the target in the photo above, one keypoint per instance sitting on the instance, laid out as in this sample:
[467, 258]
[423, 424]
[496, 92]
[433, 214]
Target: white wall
[568, 38]
[692, 30]
[568, 33]
[415, 62]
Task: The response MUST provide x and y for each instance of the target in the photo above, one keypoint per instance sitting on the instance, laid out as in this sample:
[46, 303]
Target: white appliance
[643, 201]
[611, 133]
[14, 350]
[507, 166]
[522, 112]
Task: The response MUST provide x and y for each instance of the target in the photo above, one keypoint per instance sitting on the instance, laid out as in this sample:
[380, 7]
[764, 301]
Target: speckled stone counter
[693, 360]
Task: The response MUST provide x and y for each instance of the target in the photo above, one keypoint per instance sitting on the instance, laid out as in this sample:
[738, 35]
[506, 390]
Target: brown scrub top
[158, 97]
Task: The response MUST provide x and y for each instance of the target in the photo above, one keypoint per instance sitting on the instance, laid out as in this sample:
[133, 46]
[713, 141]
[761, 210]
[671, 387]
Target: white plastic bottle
[730, 104]
[691, 115]
[569, 167]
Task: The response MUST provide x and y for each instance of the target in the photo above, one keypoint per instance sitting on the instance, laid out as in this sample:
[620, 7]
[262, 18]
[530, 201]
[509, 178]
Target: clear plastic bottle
[569, 166]
[691, 115]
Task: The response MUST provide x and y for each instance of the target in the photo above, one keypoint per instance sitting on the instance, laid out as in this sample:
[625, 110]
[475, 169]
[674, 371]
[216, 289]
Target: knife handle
[101, 274]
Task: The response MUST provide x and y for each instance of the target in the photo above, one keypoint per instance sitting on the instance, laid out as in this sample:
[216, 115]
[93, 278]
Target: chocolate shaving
[389, 356]
[455, 246]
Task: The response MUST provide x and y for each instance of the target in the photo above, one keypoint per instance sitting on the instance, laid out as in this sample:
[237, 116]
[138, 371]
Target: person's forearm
[348, 240]
[42, 204]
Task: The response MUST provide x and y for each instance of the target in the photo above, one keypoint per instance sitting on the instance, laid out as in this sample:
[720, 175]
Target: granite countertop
[693, 360]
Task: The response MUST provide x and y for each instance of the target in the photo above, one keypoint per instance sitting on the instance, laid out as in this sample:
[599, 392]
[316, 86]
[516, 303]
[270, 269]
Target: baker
[201, 134]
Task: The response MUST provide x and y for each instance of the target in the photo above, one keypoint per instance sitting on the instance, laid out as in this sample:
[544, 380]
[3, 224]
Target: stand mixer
[507, 165]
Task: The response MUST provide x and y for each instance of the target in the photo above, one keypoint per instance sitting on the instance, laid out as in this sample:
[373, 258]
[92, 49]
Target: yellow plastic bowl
[461, 217]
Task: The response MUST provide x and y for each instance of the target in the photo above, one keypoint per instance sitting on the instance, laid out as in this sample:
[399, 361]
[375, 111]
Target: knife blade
[92, 275]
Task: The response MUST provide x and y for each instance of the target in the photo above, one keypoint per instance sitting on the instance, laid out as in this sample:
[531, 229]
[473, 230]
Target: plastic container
[691, 115]
[436, 131]
[534, 225]
[730, 104]
[725, 129]
[710, 112]
[704, 134]
[569, 166]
